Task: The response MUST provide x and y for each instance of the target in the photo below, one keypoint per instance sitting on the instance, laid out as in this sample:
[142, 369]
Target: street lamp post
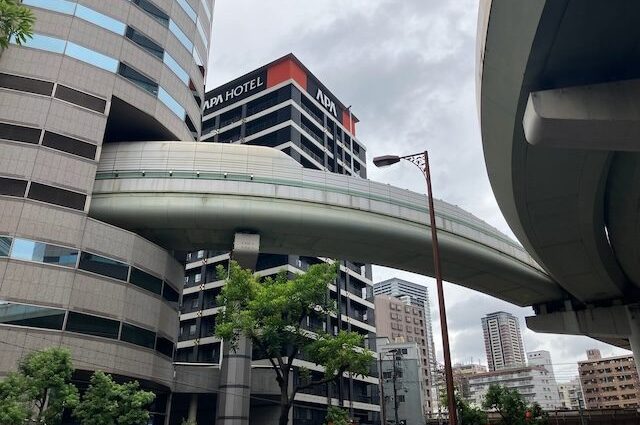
[421, 160]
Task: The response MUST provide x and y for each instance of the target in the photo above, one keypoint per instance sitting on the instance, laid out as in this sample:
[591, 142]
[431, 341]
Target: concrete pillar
[234, 390]
[193, 408]
[634, 337]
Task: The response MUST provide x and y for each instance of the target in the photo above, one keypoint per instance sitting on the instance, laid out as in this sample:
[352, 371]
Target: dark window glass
[69, 145]
[28, 315]
[144, 42]
[19, 133]
[29, 85]
[12, 187]
[274, 138]
[5, 246]
[209, 353]
[138, 336]
[230, 117]
[145, 281]
[230, 136]
[138, 79]
[92, 325]
[269, 120]
[264, 102]
[185, 354]
[79, 98]
[170, 294]
[164, 346]
[24, 249]
[57, 196]
[104, 266]
[154, 11]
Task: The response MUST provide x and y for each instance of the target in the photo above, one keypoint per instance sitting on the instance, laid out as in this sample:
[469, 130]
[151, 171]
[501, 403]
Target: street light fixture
[421, 160]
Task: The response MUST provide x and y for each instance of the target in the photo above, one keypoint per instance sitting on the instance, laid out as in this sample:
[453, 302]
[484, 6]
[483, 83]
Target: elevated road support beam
[602, 116]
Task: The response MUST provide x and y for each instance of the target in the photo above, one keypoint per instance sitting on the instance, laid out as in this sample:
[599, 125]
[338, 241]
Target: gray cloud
[408, 69]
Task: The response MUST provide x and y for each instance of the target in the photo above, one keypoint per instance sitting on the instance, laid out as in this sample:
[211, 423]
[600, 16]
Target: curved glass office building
[93, 73]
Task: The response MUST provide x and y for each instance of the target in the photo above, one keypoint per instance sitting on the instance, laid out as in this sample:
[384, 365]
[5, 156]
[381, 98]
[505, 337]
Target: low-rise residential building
[570, 395]
[534, 383]
[611, 382]
[403, 383]
[461, 374]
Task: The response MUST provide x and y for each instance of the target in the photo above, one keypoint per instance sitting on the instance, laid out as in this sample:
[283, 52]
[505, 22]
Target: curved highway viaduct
[185, 196]
[558, 96]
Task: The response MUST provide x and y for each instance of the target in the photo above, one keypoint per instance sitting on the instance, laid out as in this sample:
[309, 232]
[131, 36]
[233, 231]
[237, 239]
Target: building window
[170, 294]
[69, 145]
[103, 266]
[138, 336]
[29, 315]
[198, 277]
[164, 346]
[92, 325]
[5, 246]
[146, 281]
[145, 42]
[24, 249]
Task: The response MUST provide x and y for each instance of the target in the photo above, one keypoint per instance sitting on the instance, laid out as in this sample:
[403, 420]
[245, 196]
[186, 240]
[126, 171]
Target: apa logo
[327, 103]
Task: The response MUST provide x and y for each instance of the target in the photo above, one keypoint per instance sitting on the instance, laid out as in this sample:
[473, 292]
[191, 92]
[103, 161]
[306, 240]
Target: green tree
[512, 407]
[16, 21]
[45, 377]
[271, 313]
[14, 405]
[336, 416]
[468, 414]
[109, 403]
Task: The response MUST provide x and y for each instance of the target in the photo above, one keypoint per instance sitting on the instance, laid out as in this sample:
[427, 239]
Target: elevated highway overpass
[558, 97]
[186, 196]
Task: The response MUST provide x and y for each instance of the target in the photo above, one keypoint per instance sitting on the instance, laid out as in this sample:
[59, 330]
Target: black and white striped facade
[276, 106]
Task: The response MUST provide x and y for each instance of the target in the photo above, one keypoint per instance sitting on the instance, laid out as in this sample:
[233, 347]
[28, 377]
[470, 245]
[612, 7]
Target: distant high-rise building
[502, 341]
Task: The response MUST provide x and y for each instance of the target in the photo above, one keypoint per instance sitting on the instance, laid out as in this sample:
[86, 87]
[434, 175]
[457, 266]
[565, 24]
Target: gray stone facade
[94, 72]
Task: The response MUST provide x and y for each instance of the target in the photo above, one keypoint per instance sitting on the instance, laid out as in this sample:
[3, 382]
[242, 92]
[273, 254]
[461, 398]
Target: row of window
[115, 26]
[24, 134]
[68, 48]
[276, 97]
[42, 192]
[58, 319]
[71, 7]
[40, 252]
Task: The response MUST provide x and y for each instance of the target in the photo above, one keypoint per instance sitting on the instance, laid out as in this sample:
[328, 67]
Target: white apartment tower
[503, 341]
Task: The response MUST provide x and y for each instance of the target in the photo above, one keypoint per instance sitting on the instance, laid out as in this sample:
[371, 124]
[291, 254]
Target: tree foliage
[108, 403]
[468, 415]
[16, 22]
[14, 405]
[512, 408]
[45, 377]
[272, 314]
[336, 416]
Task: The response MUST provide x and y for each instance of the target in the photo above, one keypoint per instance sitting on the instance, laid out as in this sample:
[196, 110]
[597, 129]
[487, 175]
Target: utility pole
[395, 386]
[382, 400]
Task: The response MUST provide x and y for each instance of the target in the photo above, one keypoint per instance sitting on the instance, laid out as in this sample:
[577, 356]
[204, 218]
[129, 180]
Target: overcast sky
[408, 69]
